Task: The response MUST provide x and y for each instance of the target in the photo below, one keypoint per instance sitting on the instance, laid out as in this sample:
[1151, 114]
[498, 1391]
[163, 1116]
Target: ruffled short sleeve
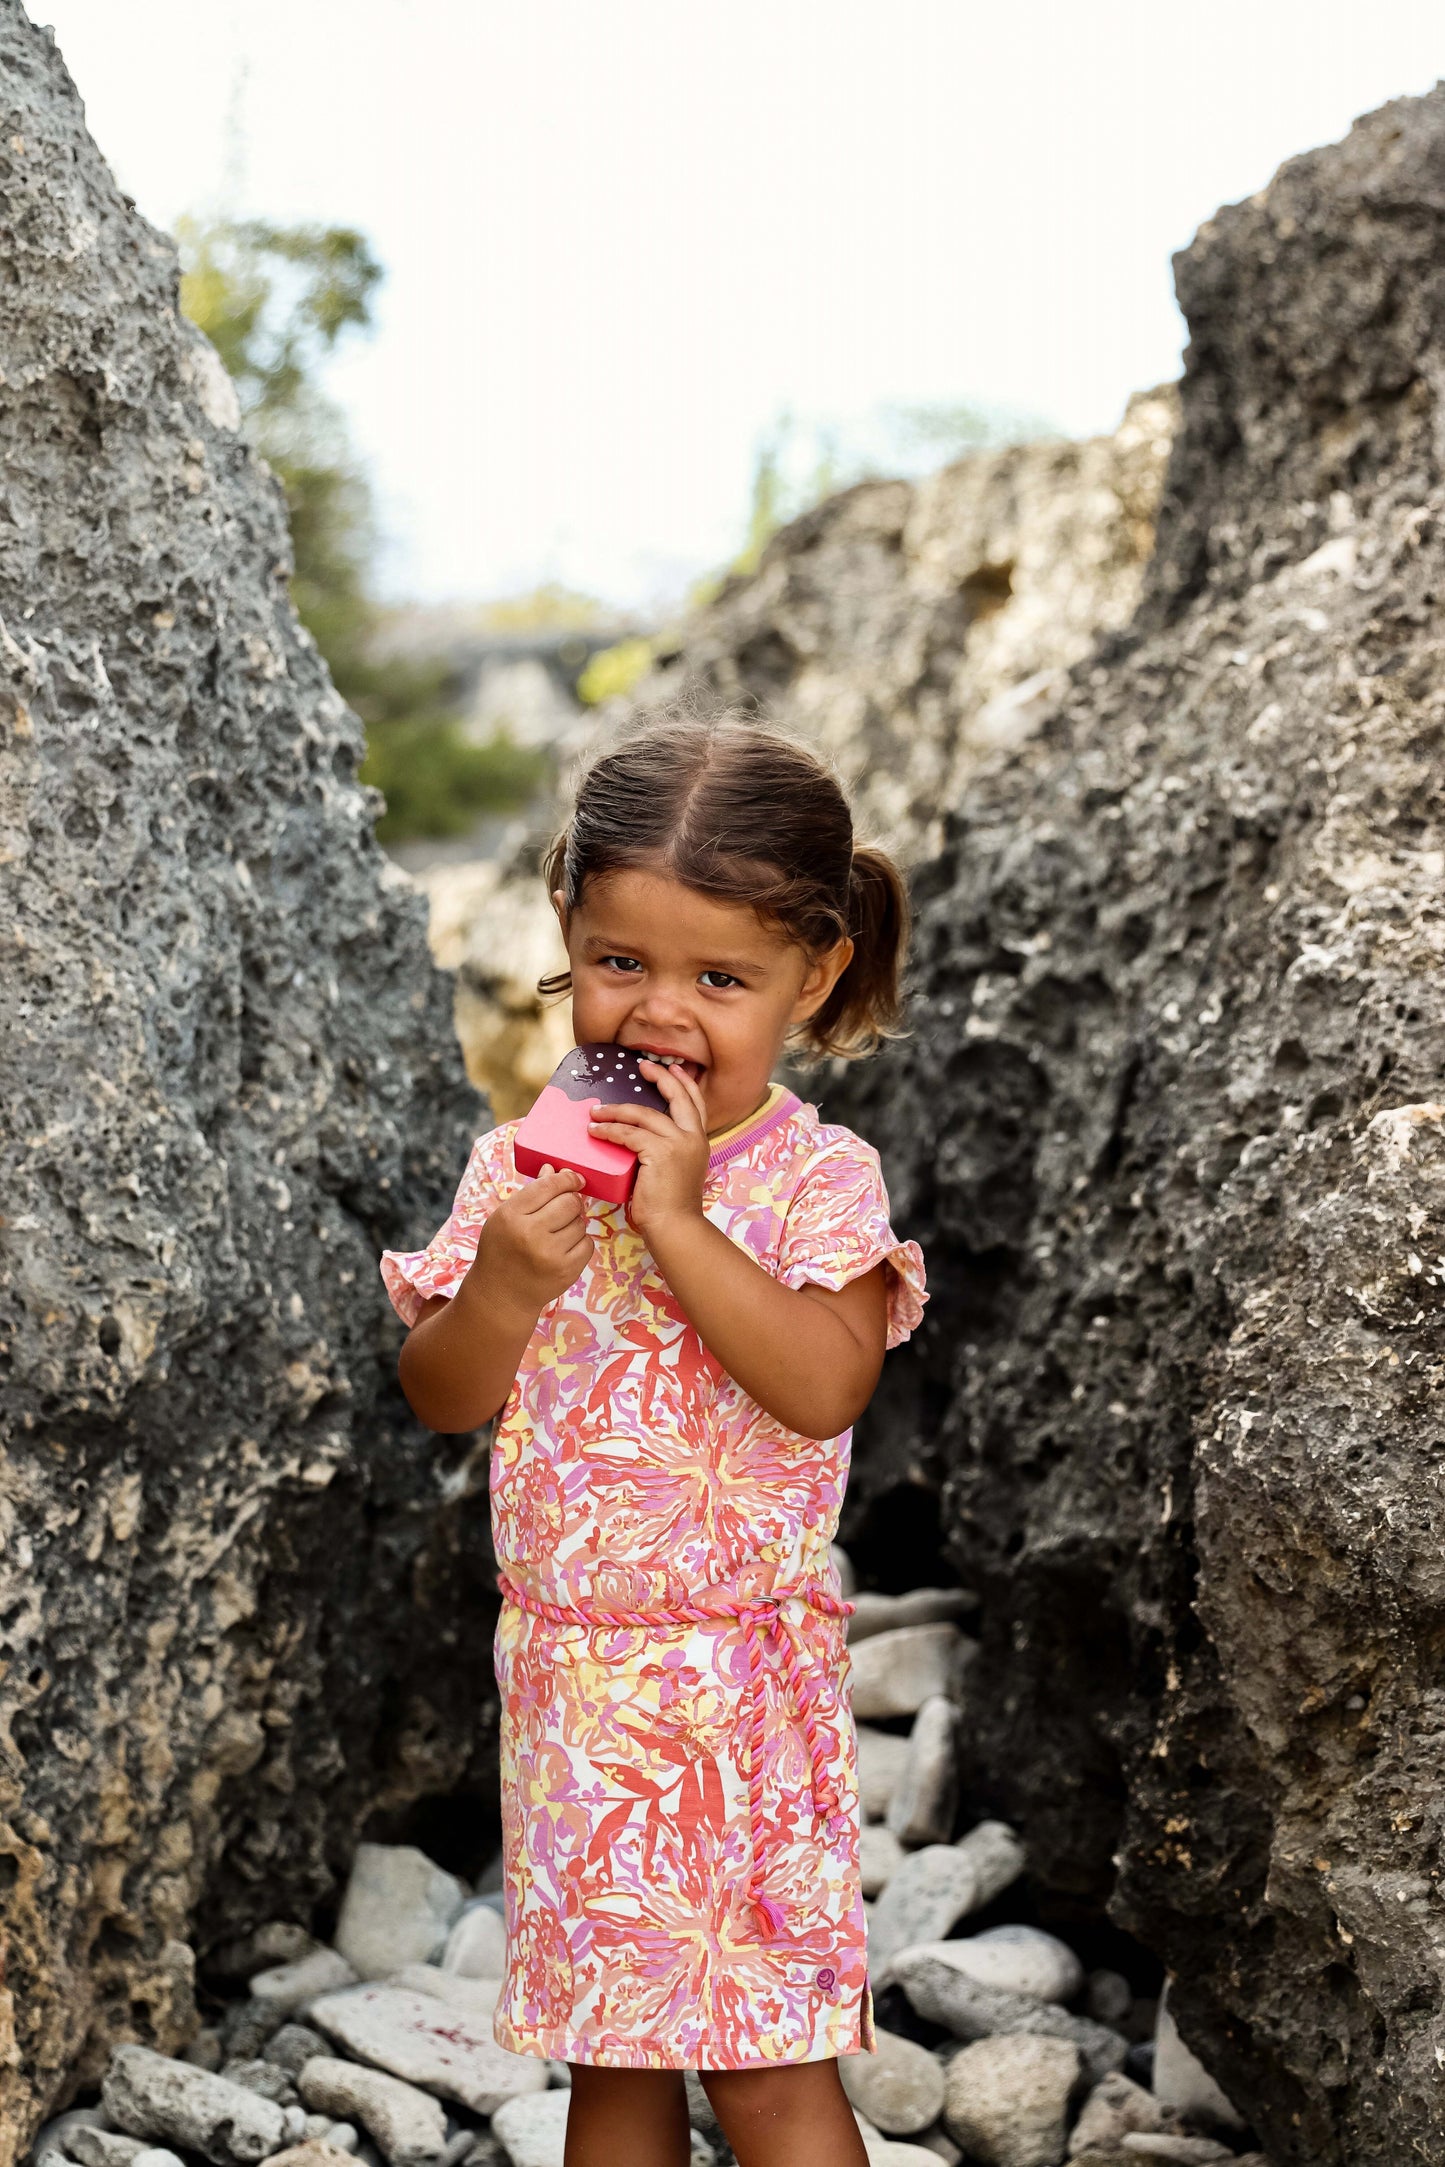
[412, 1276]
[837, 1228]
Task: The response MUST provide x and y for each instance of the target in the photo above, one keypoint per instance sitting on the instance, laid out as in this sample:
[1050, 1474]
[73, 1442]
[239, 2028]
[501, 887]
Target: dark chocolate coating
[607, 1072]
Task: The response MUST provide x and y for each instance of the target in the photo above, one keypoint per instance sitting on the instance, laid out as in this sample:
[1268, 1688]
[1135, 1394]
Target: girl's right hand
[535, 1244]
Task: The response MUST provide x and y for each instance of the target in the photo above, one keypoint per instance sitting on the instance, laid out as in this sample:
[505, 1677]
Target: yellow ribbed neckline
[725, 1136]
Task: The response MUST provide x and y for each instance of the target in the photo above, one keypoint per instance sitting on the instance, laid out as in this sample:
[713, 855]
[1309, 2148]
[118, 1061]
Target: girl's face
[659, 968]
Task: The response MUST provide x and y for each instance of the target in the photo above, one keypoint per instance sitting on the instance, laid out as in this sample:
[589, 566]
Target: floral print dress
[630, 1474]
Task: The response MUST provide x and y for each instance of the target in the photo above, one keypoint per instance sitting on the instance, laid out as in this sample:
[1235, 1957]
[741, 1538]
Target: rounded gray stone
[894, 1673]
[899, 2087]
[397, 1909]
[1007, 2099]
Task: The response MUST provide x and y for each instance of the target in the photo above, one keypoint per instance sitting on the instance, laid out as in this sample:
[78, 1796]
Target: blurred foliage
[274, 301]
[548, 608]
[613, 671]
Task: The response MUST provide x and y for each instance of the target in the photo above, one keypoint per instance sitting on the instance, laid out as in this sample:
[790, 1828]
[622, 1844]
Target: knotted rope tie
[763, 1626]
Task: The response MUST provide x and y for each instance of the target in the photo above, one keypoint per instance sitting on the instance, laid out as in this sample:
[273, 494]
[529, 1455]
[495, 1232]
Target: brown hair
[740, 811]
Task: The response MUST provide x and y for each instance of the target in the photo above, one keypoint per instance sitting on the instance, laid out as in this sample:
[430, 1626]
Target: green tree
[274, 302]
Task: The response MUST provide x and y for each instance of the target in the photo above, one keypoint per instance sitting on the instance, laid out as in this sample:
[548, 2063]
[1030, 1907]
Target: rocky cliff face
[233, 1584]
[914, 628]
[1171, 1128]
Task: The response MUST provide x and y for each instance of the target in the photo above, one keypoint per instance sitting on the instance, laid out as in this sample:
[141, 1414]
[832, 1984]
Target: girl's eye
[726, 977]
[620, 963]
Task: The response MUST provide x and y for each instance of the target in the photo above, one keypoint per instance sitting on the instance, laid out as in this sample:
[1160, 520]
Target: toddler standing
[675, 1382]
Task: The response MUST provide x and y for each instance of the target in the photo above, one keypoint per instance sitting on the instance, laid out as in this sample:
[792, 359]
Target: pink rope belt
[763, 1626]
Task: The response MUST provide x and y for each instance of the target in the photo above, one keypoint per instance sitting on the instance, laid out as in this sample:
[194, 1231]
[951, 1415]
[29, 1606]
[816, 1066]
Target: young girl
[676, 1381]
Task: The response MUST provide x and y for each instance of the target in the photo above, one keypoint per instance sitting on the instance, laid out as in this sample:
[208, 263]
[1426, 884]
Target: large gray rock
[1169, 1127]
[148, 2095]
[239, 1608]
[1008, 2099]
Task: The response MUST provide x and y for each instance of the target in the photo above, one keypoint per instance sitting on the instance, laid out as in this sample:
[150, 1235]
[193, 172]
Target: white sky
[621, 238]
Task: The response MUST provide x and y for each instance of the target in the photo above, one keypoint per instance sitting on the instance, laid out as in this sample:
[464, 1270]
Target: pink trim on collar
[768, 1118]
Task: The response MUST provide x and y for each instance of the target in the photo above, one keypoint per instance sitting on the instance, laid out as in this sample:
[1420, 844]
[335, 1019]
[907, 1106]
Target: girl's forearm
[788, 1351]
[458, 1365]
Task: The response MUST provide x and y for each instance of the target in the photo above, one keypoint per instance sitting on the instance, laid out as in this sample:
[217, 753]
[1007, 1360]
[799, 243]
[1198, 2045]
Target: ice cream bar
[555, 1132]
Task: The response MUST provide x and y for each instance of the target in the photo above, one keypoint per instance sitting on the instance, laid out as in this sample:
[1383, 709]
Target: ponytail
[866, 1004]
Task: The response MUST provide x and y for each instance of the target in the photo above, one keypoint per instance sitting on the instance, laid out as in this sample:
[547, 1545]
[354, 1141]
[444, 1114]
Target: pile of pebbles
[995, 2047]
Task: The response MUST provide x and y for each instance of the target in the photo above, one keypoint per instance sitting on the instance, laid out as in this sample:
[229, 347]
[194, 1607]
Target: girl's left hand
[672, 1148]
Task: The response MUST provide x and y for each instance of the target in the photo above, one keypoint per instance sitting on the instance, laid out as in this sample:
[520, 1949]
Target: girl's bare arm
[459, 1359]
[810, 1356]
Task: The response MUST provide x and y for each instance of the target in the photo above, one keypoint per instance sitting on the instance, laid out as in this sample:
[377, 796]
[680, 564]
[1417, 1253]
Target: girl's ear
[559, 904]
[823, 974]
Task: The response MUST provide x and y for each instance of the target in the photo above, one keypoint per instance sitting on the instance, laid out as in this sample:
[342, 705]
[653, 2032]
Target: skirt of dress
[632, 1942]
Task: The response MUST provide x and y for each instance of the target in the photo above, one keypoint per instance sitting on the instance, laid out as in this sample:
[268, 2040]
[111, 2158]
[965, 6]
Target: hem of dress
[558, 2046]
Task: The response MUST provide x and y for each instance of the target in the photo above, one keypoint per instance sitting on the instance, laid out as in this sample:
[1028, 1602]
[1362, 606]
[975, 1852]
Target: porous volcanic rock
[239, 1610]
[1171, 1129]
[911, 628]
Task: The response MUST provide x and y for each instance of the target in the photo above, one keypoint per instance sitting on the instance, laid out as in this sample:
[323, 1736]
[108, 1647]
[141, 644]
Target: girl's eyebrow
[598, 944]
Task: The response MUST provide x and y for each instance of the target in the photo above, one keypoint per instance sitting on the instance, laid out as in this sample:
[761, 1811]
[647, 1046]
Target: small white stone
[149, 2095]
[446, 2049]
[880, 1855]
[407, 2123]
[934, 1888]
[293, 1987]
[899, 2086]
[882, 1759]
[1181, 2081]
[397, 1909]
[533, 2132]
[478, 1997]
[1015, 1959]
[477, 1945]
[895, 1673]
[922, 1807]
[1114, 2108]
[921, 1606]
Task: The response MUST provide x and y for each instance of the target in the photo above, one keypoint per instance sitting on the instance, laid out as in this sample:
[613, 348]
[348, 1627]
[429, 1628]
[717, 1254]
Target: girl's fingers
[562, 1212]
[677, 1088]
[624, 1116]
[551, 1183]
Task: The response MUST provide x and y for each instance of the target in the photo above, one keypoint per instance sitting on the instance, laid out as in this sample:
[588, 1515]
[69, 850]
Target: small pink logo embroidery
[827, 1979]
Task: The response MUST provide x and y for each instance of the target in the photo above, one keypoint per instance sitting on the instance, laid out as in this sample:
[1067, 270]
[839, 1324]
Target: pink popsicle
[555, 1132]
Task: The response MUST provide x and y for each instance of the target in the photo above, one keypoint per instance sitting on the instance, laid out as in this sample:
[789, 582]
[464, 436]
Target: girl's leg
[794, 2115]
[627, 2118]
